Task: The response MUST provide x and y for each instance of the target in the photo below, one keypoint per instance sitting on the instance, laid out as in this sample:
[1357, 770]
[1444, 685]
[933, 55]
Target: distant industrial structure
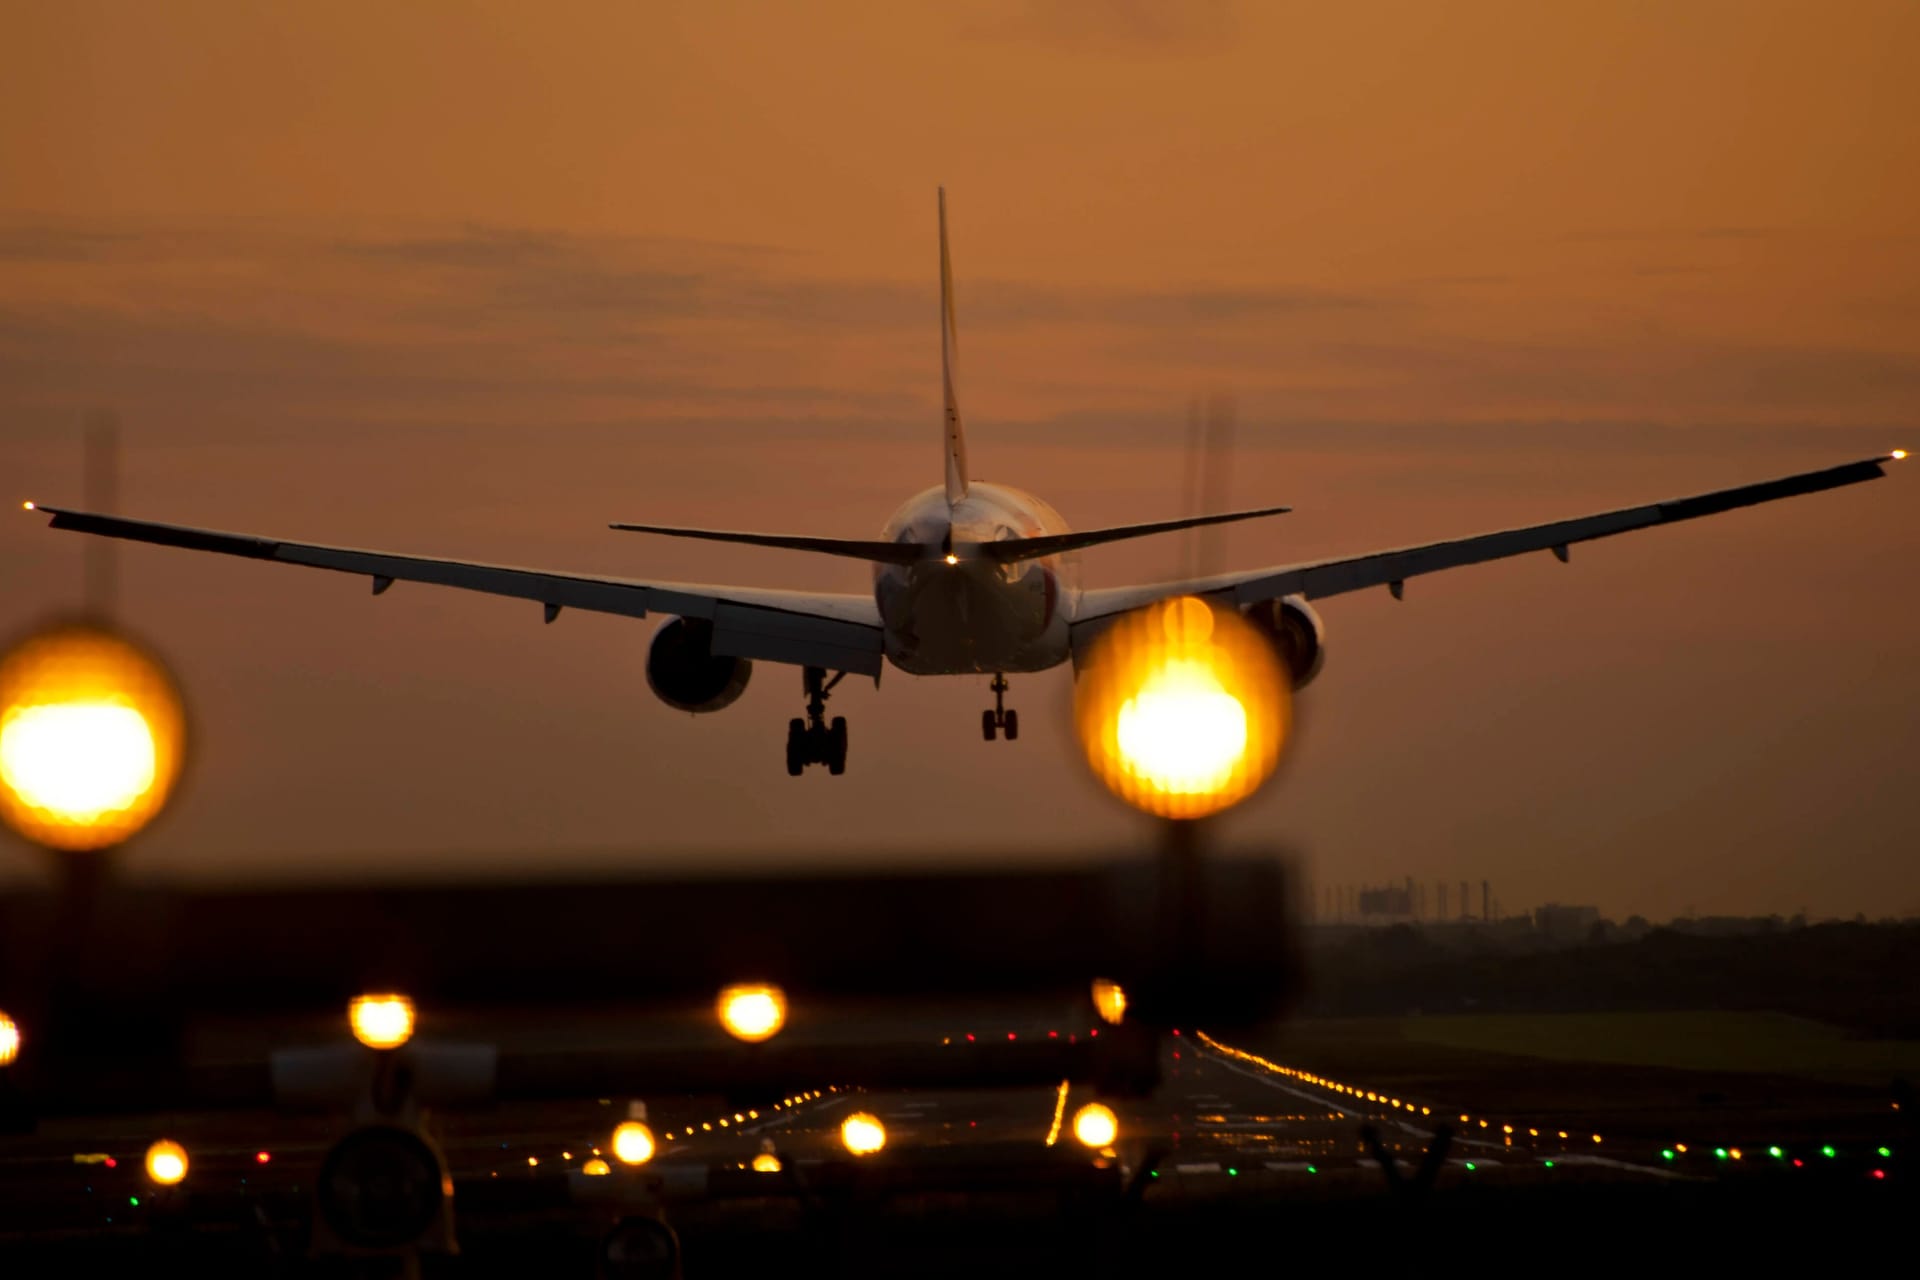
[1403, 903]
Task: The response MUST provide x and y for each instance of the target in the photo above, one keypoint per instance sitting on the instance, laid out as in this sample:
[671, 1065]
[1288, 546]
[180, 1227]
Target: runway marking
[1229, 1064]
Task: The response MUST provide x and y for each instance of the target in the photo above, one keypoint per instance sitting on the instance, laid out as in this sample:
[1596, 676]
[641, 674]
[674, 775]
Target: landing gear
[999, 720]
[812, 740]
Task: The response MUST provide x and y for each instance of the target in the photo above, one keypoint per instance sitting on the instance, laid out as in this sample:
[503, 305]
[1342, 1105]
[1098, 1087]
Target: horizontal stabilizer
[1053, 544]
[853, 548]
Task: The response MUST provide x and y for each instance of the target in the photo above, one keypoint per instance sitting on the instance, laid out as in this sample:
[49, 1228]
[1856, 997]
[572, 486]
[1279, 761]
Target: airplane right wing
[837, 632]
[1392, 568]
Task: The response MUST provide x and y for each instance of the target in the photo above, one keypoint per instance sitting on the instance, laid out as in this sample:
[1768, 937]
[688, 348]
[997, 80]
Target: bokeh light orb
[1109, 1001]
[9, 1039]
[92, 737]
[1182, 708]
[381, 1021]
[1095, 1125]
[166, 1162]
[633, 1143]
[862, 1134]
[752, 1011]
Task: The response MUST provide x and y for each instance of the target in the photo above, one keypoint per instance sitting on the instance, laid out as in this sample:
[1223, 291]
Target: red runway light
[112, 1163]
[969, 1037]
[1012, 1036]
[1799, 1163]
[1880, 1173]
[1091, 1034]
[1053, 1035]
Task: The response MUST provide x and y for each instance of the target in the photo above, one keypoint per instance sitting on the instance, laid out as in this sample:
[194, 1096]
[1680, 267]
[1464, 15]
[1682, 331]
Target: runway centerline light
[862, 1133]
[92, 737]
[166, 1162]
[752, 1011]
[9, 1039]
[633, 1143]
[382, 1021]
[1182, 709]
[1109, 1001]
[1095, 1125]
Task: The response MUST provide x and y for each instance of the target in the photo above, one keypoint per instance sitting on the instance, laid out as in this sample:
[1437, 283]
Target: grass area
[1704, 1041]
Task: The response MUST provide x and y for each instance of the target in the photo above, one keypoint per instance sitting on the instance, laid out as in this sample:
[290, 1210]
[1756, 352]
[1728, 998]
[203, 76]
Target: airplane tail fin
[955, 438]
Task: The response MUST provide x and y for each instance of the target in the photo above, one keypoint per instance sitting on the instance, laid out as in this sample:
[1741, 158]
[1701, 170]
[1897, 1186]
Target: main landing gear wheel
[999, 720]
[812, 741]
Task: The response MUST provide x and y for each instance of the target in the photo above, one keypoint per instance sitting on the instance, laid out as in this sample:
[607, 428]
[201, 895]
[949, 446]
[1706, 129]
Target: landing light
[956, 559]
[633, 1143]
[1897, 455]
[9, 1039]
[92, 734]
[863, 1134]
[753, 1011]
[1182, 708]
[166, 1162]
[1094, 1125]
[381, 1021]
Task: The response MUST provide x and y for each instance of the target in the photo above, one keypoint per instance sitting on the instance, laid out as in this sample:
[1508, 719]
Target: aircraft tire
[796, 747]
[987, 725]
[1011, 723]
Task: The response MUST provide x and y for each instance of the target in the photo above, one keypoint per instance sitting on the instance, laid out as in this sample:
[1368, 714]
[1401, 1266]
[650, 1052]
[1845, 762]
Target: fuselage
[952, 612]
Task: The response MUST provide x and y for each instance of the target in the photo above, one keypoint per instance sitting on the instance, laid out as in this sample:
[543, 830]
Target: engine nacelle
[1296, 633]
[684, 673]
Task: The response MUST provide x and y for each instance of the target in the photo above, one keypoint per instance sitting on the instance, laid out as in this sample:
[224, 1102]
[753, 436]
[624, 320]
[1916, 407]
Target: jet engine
[1296, 633]
[684, 672]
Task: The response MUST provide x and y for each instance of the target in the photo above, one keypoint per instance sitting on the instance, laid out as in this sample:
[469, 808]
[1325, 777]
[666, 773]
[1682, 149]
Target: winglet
[955, 438]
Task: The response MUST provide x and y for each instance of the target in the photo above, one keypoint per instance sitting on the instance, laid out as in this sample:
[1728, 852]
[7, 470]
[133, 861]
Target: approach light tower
[1182, 709]
[93, 739]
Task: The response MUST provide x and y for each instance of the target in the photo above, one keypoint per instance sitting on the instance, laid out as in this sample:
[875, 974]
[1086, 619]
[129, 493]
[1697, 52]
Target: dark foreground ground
[1253, 1156]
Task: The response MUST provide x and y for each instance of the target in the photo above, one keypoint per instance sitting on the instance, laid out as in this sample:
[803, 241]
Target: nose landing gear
[999, 720]
[813, 740]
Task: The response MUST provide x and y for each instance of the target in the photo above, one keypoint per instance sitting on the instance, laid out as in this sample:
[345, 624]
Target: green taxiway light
[134, 1201]
[1471, 1166]
[1549, 1164]
[1719, 1153]
[1885, 1152]
[1233, 1173]
[1313, 1168]
[1667, 1154]
[1828, 1152]
[1775, 1152]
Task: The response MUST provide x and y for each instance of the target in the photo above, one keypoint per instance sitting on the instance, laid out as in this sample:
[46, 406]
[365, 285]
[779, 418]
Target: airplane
[968, 578]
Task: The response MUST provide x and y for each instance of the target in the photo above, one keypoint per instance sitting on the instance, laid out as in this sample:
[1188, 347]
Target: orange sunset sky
[477, 278]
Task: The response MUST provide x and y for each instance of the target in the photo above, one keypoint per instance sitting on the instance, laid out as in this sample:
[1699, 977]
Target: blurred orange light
[1095, 1125]
[381, 1021]
[633, 1143]
[166, 1162]
[9, 1039]
[766, 1162]
[1182, 708]
[92, 736]
[596, 1168]
[862, 1134]
[752, 1011]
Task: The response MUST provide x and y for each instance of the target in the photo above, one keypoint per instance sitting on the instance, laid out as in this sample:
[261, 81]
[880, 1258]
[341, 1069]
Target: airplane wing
[838, 632]
[1392, 568]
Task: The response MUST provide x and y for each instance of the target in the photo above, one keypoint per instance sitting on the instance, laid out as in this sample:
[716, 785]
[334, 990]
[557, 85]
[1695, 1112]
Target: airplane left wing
[838, 632]
[1392, 568]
